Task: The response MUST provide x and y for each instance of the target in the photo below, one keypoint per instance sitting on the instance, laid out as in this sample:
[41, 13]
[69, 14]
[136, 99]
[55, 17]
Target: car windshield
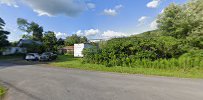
[46, 53]
[30, 54]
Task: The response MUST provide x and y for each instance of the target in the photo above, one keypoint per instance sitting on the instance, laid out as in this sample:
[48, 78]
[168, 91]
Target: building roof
[95, 40]
[68, 47]
[28, 41]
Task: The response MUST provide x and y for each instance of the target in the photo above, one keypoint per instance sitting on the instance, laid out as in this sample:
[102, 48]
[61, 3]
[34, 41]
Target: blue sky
[101, 19]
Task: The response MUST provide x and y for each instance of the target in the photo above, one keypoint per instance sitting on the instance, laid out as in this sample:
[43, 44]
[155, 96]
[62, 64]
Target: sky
[95, 19]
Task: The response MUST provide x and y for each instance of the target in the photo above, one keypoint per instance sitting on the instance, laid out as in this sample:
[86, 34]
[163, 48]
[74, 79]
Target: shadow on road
[18, 62]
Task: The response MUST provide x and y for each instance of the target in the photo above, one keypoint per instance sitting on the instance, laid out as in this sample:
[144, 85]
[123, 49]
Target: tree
[195, 9]
[27, 36]
[83, 39]
[71, 40]
[60, 42]
[36, 31]
[31, 28]
[172, 22]
[14, 44]
[3, 35]
[50, 41]
[181, 21]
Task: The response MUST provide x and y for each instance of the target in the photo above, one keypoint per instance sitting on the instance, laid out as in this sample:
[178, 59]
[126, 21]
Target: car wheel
[36, 59]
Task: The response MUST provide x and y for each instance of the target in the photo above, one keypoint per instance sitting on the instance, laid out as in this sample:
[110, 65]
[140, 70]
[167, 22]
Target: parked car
[32, 56]
[47, 56]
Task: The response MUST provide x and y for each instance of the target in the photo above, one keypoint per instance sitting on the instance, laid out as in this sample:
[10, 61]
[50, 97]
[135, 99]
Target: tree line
[36, 32]
[3, 35]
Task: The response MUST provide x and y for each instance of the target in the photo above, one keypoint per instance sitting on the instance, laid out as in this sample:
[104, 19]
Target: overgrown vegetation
[74, 39]
[68, 61]
[176, 44]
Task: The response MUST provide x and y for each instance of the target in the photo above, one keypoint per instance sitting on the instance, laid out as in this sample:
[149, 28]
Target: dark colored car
[48, 56]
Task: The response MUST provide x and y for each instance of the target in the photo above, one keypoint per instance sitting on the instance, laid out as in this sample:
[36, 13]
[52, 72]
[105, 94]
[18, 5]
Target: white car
[32, 56]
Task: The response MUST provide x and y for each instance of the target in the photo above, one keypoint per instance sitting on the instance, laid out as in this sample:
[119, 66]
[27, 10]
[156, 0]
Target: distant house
[78, 48]
[14, 50]
[95, 40]
[19, 48]
[67, 49]
[28, 41]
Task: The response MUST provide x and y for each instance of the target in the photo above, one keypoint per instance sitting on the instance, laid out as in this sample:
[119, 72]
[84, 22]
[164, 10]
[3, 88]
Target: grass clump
[2, 91]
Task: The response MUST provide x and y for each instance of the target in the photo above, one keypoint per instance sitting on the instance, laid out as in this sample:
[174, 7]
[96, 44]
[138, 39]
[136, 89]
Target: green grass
[2, 91]
[67, 61]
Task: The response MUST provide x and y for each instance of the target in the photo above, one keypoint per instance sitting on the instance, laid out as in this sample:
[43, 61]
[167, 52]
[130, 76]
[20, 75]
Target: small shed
[78, 48]
[67, 49]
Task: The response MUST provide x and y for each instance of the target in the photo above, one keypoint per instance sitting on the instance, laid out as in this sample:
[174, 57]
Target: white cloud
[53, 7]
[91, 5]
[153, 4]
[9, 3]
[153, 24]
[96, 33]
[112, 34]
[56, 7]
[112, 12]
[117, 7]
[142, 19]
[162, 11]
[80, 33]
[42, 13]
[60, 35]
[90, 32]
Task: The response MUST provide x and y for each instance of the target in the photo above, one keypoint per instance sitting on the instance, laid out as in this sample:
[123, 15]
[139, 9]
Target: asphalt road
[34, 82]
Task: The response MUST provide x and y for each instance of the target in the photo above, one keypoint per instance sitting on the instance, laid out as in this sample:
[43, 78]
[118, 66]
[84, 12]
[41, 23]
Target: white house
[19, 48]
[78, 48]
[95, 40]
[14, 50]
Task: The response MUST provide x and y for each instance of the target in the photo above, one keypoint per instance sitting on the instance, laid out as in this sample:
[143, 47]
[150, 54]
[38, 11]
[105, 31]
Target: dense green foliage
[74, 39]
[3, 35]
[177, 43]
[31, 28]
[50, 41]
[33, 47]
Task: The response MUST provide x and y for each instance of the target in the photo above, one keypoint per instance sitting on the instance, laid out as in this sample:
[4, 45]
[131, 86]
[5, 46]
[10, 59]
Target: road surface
[35, 82]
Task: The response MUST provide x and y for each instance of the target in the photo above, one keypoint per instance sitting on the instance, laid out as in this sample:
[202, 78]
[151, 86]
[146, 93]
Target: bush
[126, 51]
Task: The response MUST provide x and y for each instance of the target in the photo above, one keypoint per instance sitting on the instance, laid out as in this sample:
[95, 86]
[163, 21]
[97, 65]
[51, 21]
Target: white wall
[13, 50]
[78, 48]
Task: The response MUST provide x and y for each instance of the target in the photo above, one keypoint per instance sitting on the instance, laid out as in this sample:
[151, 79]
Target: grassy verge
[2, 92]
[68, 61]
